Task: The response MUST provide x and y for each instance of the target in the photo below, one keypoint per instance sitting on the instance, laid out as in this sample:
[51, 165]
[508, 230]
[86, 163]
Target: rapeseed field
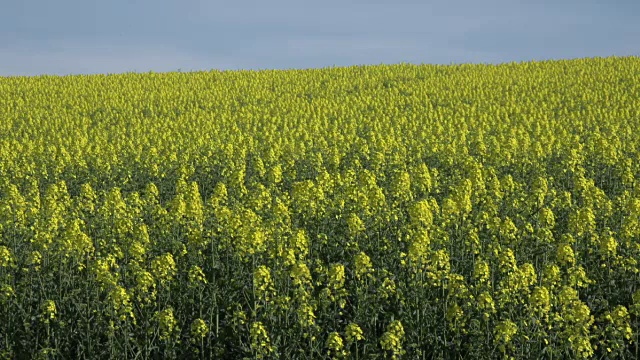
[367, 212]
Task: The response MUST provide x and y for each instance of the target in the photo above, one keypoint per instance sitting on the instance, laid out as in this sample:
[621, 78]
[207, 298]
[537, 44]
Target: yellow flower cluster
[199, 330]
[260, 341]
[335, 346]
[163, 267]
[167, 324]
[121, 303]
[48, 310]
[363, 266]
[262, 281]
[6, 259]
[392, 339]
[354, 333]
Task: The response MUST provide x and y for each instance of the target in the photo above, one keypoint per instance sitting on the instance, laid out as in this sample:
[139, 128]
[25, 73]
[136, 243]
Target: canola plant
[367, 212]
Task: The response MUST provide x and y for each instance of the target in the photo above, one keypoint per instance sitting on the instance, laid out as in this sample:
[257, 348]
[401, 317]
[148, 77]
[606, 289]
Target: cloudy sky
[115, 36]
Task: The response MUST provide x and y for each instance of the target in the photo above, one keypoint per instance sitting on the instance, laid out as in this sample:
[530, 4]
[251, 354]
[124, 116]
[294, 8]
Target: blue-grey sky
[115, 36]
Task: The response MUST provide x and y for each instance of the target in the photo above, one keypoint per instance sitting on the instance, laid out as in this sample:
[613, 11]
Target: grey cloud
[40, 36]
[101, 59]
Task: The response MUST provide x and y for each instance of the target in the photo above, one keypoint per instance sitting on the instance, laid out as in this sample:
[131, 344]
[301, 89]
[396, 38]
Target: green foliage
[402, 211]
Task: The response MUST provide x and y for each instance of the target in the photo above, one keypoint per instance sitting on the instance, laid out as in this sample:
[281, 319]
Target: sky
[61, 37]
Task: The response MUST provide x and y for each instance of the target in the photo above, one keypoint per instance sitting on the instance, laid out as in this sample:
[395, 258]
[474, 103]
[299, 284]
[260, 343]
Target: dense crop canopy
[401, 211]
